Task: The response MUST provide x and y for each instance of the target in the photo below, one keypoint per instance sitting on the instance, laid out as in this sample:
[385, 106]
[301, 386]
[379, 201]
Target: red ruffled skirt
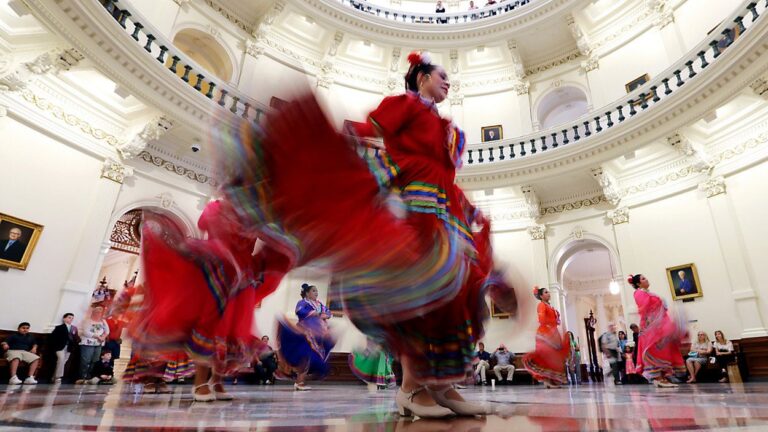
[547, 361]
[417, 284]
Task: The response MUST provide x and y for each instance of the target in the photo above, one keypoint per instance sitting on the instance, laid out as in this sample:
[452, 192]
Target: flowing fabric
[200, 294]
[139, 370]
[372, 365]
[658, 347]
[547, 361]
[306, 346]
[416, 284]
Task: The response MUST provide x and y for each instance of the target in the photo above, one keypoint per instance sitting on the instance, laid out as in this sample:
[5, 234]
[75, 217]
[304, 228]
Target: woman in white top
[724, 354]
[700, 352]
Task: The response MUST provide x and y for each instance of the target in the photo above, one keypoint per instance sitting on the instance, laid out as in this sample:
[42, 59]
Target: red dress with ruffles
[200, 295]
[547, 361]
[416, 284]
[658, 347]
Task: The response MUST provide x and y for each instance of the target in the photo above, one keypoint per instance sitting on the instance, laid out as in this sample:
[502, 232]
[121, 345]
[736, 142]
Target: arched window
[561, 105]
[206, 51]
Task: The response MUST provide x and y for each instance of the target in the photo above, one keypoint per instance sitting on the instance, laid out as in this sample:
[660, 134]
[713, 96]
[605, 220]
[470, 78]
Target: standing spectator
[63, 339]
[93, 333]
[483, 363]
[635, 336]
[102, 369]
[440, 9]
[609, 344]
[723, 354]
[698, 356]
[574, 360]
[491, 3]
[629, 364]
[21, 347]
[504, 360]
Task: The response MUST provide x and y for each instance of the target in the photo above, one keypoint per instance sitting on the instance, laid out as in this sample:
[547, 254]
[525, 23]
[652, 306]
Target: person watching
[21, 347]
[504, 363]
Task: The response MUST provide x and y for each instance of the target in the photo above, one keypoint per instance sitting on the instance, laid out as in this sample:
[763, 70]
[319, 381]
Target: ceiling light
[614, 287]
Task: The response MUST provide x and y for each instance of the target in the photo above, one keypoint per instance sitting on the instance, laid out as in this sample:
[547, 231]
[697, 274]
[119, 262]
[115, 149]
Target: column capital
[115, 171]
[152, 131]
[537, 232]
[661, 12]
[619, 215]
[713, 186]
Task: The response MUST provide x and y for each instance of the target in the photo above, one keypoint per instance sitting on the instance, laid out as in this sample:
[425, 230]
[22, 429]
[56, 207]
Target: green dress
[372, 365]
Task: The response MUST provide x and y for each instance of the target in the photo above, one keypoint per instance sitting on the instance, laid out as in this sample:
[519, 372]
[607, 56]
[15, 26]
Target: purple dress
[306, 346]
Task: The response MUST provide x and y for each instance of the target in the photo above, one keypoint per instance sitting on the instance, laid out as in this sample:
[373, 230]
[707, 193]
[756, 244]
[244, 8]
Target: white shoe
[301, 387]
[203, 397]
[461, 408]
[220, 396]
[30, 380]
[94, 380]
[406, 407]
[57, 381]
[14, 380]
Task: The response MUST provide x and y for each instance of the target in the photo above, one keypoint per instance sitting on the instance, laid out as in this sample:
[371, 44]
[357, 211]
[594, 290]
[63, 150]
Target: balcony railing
[436, 18]
[185, 68]
[642, 99]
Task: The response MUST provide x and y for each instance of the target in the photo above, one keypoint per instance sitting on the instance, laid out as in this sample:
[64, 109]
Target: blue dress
[306, 346]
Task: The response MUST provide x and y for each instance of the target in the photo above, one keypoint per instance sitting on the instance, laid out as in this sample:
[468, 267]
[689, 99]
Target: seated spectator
[504, 360]
[724, 354]
[63, 340]
[93, 333]
[266, 364]
[483, 363]
[102, 370]
[440, 9]
[21, 347]
[698, 356]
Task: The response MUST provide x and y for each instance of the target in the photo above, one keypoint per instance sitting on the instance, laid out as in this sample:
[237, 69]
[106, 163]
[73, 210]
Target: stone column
[731, 242]
[94, 243]
[626, 249]
[539, 250]
[663, 15]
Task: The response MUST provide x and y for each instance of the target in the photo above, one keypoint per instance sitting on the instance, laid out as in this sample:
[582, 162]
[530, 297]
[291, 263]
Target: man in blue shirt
[483, 364]
[685, 287]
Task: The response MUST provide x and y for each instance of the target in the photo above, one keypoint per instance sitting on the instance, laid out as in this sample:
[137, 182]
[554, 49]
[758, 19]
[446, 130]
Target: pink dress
[658, 348]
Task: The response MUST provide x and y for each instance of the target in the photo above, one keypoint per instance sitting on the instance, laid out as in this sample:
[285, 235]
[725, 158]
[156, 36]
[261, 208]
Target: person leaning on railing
[440, 9]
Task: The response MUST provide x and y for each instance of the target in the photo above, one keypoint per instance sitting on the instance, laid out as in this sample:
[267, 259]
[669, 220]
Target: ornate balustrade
[435, 18]
[642, 99]
[184, 67]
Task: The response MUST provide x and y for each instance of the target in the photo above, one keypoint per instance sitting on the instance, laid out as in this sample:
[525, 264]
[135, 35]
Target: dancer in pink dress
[658, 348]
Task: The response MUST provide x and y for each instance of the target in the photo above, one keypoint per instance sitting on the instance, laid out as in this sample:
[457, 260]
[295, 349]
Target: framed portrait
[498, 313]
[492, 133]
[18, 239]
[684, 282]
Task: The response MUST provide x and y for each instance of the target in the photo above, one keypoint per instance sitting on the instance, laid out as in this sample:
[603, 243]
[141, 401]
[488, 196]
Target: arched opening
[584, 268]
[561, 105]
[207, 52]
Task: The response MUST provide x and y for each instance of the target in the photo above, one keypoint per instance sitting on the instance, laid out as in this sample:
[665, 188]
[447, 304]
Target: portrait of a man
[492, 133]
[684, 282]
[17, 241]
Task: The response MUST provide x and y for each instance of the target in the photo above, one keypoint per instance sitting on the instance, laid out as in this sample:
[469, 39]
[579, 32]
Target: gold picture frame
[498, 313]
[19, 252]
[684, 282]
[492, 133]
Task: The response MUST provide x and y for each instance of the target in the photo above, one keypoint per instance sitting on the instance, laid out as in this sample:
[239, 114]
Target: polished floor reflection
[355, 408]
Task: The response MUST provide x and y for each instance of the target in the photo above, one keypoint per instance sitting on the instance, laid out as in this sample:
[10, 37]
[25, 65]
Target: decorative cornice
[549, 64]
[177, 169]
[560, 208]
[229, 16]
[537, 232]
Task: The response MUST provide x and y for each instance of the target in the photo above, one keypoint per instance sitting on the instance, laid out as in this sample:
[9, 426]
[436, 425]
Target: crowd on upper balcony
[490, 8]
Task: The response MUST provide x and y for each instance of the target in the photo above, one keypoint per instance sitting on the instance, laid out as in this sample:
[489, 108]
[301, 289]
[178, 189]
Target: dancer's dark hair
[419, 63]
[305, 287]
[537, 292]
[634, 280]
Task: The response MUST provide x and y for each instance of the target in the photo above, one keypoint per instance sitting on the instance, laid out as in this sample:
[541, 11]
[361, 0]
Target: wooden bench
[5, 367]
[521, 375]
[710, 372]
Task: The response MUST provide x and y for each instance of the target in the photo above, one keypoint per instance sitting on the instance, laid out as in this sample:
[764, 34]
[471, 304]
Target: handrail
[436, 18]
[636, 102]
[152, 40]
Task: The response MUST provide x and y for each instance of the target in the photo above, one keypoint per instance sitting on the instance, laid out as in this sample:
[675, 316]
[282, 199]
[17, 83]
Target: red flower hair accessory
[535, 290]
[630, 278]
[419, 57]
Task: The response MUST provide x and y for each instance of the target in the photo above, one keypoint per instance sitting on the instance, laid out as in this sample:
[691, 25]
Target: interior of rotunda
[601, 139]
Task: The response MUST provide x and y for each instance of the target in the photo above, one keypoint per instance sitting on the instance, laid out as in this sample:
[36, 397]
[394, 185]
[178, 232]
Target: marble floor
[742, 407]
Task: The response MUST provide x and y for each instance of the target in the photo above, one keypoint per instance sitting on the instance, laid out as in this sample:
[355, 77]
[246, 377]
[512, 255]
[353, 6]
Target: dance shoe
[407, 407]
[461, 408]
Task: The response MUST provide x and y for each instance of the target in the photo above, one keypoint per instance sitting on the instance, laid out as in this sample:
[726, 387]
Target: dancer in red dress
[416, 284]
[658, 348]
[547, 362]
[201, 294]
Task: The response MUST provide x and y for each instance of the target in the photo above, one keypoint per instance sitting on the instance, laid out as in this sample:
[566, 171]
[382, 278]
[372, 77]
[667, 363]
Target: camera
[195, 147]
